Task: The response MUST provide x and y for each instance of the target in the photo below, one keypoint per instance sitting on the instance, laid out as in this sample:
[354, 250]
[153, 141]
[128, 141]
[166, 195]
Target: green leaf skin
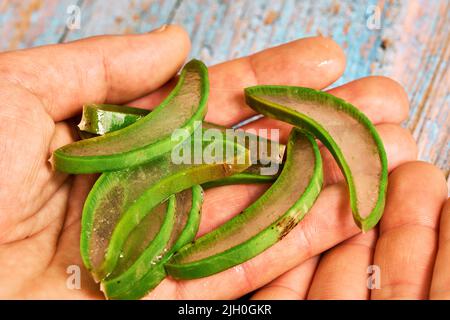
[146, 139]
[99, 119]
[148, 270]
[249, 176]
[145, 241]
[263, 223]
[153, 230]
[120, 200]
[239, 178]
[344, 130]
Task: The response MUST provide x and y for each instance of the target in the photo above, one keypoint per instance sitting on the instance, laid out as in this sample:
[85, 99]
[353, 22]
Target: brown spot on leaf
[286, 225]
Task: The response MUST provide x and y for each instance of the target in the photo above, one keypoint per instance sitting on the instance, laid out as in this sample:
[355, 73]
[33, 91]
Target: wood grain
[410, 45]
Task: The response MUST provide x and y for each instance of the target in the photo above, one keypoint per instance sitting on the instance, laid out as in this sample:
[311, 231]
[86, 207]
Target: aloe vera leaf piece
[146, 139]
[148, 237]
[98, 119]
[146, 277]
[240, 178]
[123, 198]
[248, 176]
[154, 227]
[345, 131]
[147, 240]
[96, 231]
[263, 223]
[104, 118]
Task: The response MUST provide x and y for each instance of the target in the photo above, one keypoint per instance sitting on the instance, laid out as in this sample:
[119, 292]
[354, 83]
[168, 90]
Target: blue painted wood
[411, 45]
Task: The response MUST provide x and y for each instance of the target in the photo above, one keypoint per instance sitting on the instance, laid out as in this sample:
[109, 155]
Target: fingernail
[160, 29]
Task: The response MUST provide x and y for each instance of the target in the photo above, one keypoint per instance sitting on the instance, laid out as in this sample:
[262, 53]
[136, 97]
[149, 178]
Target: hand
[42, 88]
[409, 253]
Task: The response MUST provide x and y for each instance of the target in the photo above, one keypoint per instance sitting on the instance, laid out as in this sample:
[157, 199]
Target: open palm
[40, 209]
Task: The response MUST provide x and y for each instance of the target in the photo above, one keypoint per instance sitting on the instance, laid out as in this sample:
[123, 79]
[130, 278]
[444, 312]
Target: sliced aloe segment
[240, 178]
[97, 229]
[146, 139]
[141, 267]
[344, 130]
[251, 175]
[98, 119]
[144, 275]
[263, 223]
[104, 118]
[120, 200]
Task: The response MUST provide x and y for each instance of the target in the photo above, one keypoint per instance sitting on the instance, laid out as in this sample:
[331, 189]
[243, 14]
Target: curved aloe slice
[121, 199]
[344, 130]
[141, 267]
[99, 119]
[146, 139]
[97, 228]
[263, 223]
[248, 176]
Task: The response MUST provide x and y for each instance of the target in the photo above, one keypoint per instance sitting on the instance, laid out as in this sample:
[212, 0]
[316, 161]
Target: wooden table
[409, 42]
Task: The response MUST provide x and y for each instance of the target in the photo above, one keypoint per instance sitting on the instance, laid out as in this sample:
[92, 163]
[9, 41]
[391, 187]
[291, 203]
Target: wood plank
[419, 61]
[30, 23]
[411, 45]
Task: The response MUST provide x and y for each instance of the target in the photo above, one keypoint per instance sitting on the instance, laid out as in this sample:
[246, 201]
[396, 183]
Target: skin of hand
[323, 257]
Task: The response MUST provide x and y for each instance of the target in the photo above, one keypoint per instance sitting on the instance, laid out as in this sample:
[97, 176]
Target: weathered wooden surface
[410, 45]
